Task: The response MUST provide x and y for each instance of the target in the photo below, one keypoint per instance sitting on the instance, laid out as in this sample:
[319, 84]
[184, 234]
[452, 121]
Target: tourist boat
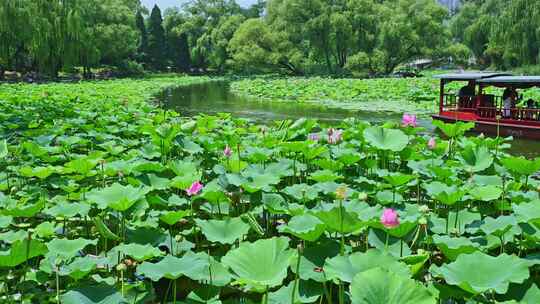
[486, 109]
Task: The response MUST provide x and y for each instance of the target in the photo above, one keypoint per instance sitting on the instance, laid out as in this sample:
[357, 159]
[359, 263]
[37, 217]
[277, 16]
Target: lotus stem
[386, 243]
[327, 293]
[57, 285]
[174, 291]
[297, 274]
[342, 241]
[266, 295]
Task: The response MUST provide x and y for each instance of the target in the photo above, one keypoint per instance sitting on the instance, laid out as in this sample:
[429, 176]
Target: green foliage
[95, 209]
[156, 40]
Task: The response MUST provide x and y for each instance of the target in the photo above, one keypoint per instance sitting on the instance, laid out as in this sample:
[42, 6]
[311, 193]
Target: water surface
[215, 97]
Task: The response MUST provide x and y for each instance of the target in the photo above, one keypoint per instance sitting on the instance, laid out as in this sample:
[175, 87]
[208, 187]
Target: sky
[163, 4]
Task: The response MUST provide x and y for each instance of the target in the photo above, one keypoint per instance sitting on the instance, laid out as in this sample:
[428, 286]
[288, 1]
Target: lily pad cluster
[106, 198]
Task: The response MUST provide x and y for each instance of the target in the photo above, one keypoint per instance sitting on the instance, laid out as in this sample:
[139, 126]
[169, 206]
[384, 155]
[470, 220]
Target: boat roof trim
[470, 75]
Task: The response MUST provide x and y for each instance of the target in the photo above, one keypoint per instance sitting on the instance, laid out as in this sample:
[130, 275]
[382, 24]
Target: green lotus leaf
[306, 227]
[345, 267]
[453, 130]
[82, 166]
[39, 172]
[302, 192]
[172, 268]
[173, 217]
[139, 252]
[386, 139]
[223, 231]
[306, 292]
[396, 247]
[398, 179]
[68, 209]
[452, 247]
[45, 229]
[186, 174]
[488, 180]
[117, 197]
[313, 258]
[24, 209]
[325, 176]
[250, 262]
[521, 165]
[486, 193]
[216, 273]
[476, 158]
[257, 181]
[5, 221]
[155, 182]
[448, 195]
[21, 251]
[3, 149]
[98, 294]
[463, 221]
[528, 212]
[382, 286]
[479, 272]
[498, 226]
[416, 262]
[332, 216]
[80, 267]
[67, 249]
[387, 197]
[214, 193]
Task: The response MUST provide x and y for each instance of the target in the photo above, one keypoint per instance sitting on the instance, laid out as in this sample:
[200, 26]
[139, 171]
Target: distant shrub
[129, 68]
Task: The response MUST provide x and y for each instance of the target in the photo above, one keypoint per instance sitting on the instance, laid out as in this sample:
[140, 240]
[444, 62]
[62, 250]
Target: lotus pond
[105, 198]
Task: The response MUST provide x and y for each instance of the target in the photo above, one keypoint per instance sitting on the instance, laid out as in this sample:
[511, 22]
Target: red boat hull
[504, 128]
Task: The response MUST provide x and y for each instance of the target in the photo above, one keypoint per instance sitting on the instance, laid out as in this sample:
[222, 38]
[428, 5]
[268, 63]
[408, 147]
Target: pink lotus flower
[227, 151]
[409, 120]
[194, 189]
[334, 136]
[432, 143]
[313, 137]
[390, 218]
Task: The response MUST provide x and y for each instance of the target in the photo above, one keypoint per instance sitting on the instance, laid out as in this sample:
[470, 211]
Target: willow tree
[15, 33]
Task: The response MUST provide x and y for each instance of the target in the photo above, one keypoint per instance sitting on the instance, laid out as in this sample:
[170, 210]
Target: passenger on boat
[466, 95]
[531, 112]
[509, 101]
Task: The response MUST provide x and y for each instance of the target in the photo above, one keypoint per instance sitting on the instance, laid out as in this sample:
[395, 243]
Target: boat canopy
[519, 82]
[468, 76]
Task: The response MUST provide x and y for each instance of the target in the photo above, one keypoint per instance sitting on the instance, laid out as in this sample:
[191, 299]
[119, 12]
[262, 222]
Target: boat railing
[452, 102]
[524, 114]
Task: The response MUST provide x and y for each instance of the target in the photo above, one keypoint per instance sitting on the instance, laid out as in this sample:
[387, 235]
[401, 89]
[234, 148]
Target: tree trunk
[2, 73]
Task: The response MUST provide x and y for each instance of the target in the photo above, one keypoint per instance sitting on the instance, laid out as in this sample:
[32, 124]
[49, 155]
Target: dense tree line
[500, 33]
[363, 37]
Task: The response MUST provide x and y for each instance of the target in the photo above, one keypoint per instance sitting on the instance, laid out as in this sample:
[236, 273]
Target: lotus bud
[390, 218]
[227, 151]
[178, 238]
[341, 192]
[432, 143]
[194, 189]
[121, 267]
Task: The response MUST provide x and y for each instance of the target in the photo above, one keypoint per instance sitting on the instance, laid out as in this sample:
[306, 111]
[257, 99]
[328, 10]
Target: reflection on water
[215, 97]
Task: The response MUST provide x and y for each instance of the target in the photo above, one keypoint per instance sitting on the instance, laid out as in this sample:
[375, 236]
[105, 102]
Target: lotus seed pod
[362, 196]
[121, 267]
[178, 238]
[422, 221]
[424, 209]
[341, 192]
